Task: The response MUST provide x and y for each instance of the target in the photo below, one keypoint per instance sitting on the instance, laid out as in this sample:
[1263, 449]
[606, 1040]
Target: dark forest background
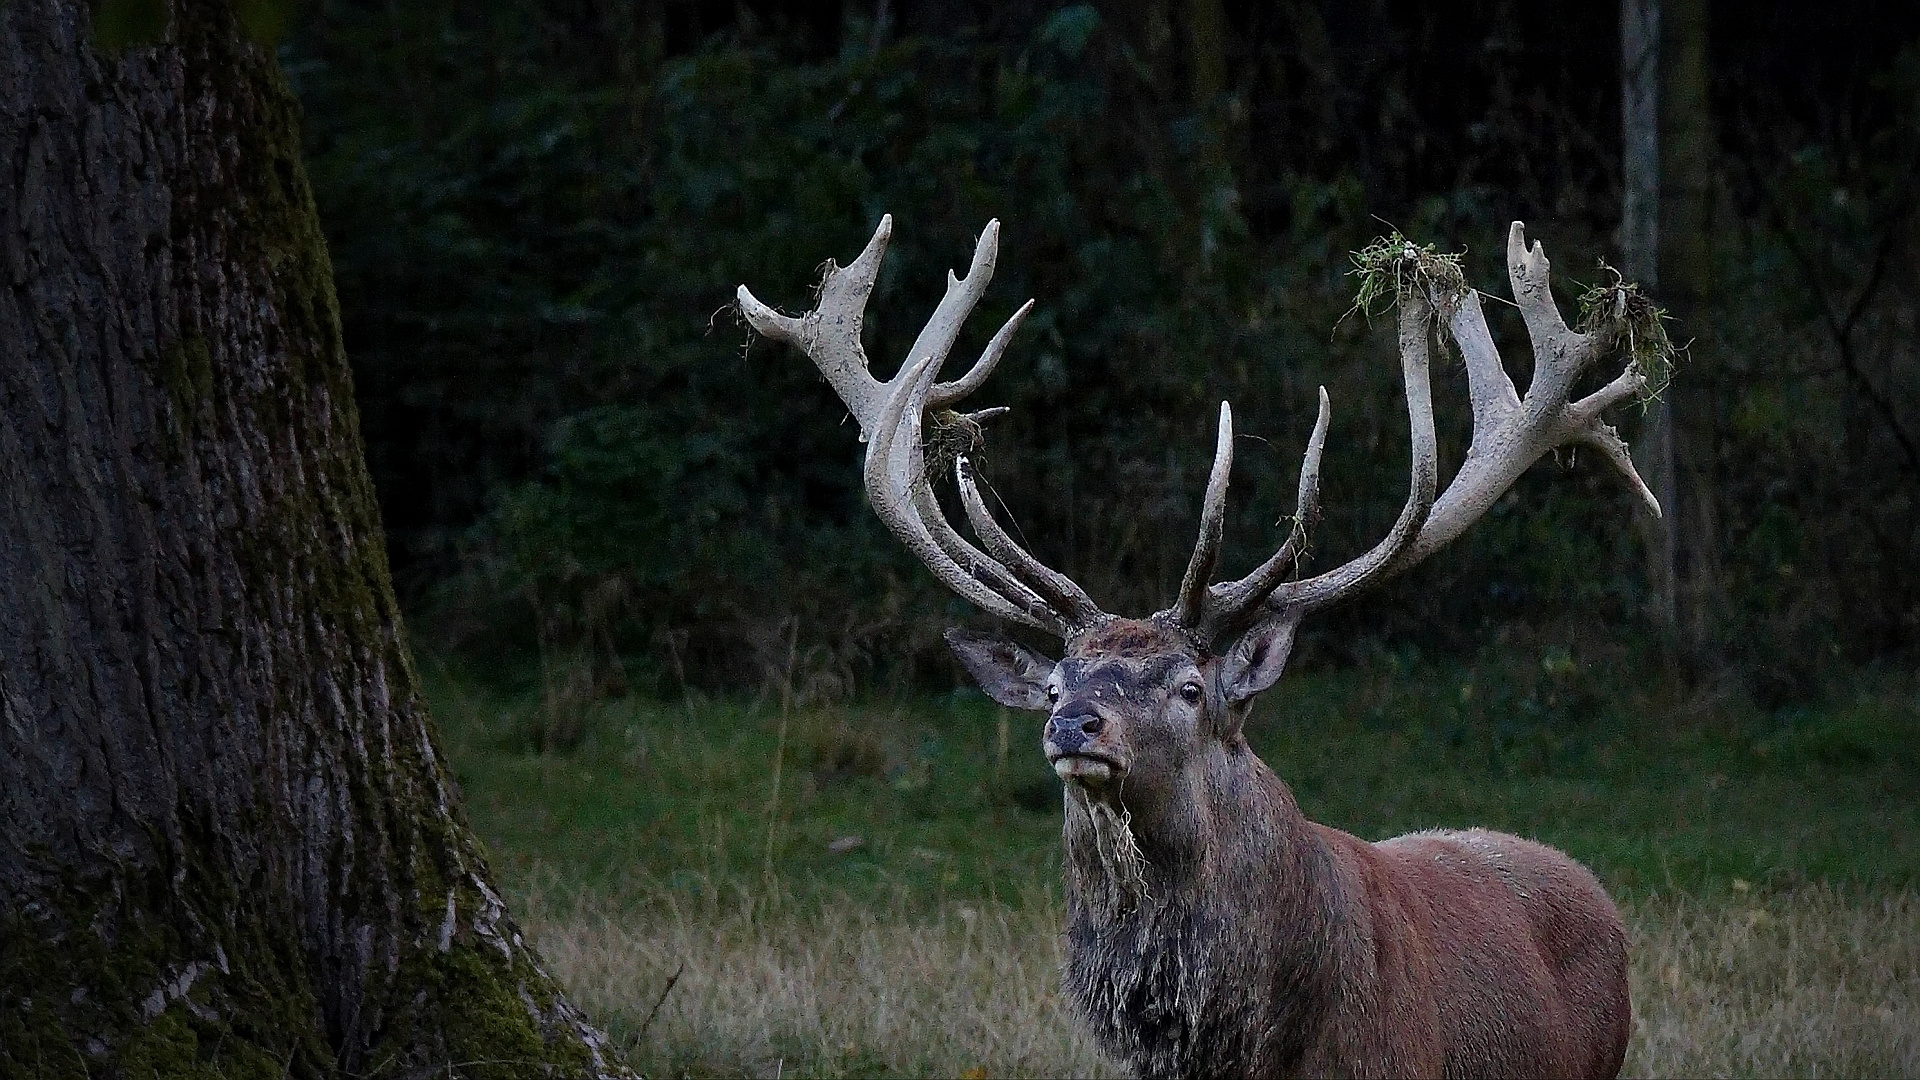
[538, 213]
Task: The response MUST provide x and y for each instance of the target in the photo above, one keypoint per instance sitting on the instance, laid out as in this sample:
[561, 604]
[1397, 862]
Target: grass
[1811, 982]
[767, 989]
[890, 903]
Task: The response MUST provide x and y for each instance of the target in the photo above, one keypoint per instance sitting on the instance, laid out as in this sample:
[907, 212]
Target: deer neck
[1228, 822]
[1239, 903]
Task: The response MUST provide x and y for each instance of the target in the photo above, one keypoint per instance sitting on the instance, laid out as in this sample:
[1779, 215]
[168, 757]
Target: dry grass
[1809, 983]
[836, 991]
[1812, 982]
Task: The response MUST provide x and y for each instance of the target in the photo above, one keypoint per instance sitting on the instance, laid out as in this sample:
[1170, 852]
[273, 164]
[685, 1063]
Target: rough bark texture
[228, 844]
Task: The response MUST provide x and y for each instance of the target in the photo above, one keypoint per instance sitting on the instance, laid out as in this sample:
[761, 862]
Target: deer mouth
[1087, 768]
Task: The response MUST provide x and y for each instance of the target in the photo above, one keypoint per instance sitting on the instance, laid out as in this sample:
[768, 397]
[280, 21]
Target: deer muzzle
[1082, 746]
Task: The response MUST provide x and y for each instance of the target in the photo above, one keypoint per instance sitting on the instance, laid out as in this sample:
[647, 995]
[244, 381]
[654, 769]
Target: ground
[732, 887]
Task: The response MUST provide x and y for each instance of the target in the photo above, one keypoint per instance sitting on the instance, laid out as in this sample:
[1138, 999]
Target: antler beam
[1510, 433]
[1009, 583]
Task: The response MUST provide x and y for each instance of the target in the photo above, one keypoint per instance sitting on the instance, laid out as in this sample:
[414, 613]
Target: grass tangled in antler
[1638, 325]
[1393, 265]
[949, 435]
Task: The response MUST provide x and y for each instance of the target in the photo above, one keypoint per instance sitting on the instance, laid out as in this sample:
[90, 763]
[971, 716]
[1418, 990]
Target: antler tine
[1192, 604]
[1560, 353]
[1231, 605]
[1323, 589]
[943, 326]
[830, 333]
[1489, 387]
[1057, 588]
[891, 417]
[1510, 431]
[946, 394]
[1607, 441]
[1306, 498]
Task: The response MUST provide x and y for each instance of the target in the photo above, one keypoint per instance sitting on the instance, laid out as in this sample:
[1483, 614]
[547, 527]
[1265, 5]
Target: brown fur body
[1269, 945]
[1259, 943]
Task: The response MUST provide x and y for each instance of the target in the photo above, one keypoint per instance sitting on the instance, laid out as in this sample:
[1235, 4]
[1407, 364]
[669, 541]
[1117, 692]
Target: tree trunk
[1640, 261]
[1686, 285]
[228, 842]
[1207, 54]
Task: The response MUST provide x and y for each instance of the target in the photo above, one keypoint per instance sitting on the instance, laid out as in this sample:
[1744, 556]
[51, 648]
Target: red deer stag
[1213, 929]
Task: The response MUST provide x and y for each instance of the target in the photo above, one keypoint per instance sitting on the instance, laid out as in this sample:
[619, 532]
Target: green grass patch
[691, 874]
[928, 800]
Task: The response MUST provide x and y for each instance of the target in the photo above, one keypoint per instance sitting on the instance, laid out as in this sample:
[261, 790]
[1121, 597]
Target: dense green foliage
[538, 213]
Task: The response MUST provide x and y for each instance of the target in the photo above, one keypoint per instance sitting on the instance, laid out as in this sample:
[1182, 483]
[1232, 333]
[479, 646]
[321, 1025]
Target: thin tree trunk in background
[1640, 261]
[1149, 23]
[1206, 26]
[636, 32]
[229, 845]
[1207, 51]
[1686, 285]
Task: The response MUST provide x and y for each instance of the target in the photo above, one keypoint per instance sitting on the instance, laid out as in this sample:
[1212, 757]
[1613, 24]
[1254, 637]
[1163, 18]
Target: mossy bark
[229, 845]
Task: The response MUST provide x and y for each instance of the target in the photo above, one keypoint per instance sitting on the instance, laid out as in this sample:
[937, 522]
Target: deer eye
[1190, 691]
[1053, 695]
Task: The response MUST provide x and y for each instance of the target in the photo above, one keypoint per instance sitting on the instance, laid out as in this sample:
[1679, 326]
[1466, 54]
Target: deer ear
[1010, 673]
[1257, 659]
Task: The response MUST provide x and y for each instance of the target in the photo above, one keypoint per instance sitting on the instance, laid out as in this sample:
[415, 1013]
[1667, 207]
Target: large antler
[1510, 433]
[892, 415]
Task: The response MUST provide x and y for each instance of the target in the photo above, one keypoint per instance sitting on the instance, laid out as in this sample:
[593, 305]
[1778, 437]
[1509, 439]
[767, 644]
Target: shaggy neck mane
[1231, 917]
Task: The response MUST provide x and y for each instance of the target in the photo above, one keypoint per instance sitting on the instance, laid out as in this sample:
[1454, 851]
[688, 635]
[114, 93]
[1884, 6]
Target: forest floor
[740, 888]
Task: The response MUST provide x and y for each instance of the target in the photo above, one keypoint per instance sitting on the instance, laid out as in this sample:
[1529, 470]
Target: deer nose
[1071, 728]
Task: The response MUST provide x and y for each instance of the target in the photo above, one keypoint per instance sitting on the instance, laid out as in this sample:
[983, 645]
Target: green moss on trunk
[250, 861]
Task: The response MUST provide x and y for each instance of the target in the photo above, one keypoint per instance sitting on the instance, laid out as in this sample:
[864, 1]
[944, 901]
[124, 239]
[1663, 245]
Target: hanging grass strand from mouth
[1121, 884]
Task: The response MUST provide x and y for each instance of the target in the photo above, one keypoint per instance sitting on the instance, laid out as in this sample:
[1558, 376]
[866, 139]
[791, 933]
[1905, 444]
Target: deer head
[1142, 711]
